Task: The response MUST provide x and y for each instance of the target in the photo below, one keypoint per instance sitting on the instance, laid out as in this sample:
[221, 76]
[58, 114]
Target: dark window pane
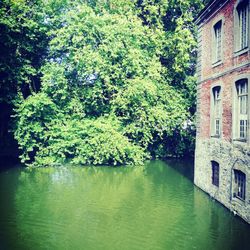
[240, 184]
[215, 173]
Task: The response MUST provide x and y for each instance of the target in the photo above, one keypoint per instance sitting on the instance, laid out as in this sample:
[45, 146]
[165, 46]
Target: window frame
[236, 110]
[217, 21]
[242, 96]
[217, 43]
[214, 116]
[239, 182]
[238, 49]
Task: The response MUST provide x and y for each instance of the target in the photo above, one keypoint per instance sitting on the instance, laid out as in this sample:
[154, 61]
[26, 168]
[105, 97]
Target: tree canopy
[99, 82]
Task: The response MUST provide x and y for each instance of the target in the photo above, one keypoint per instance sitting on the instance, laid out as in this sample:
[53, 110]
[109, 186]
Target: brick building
[222, 158]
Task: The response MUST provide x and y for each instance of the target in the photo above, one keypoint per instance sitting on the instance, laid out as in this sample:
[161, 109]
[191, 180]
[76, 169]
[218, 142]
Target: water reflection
[144, 207]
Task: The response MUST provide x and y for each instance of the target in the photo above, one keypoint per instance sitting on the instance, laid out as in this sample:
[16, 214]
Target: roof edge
[209, 9]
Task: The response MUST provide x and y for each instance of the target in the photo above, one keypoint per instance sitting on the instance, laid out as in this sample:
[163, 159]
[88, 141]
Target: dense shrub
[97, 142]
[47, 136]
[34, 116]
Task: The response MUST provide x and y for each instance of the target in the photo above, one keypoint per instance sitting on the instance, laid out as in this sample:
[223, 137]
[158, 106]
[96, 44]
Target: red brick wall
[209, 74]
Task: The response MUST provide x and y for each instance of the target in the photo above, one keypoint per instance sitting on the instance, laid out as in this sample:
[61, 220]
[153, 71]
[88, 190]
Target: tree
[127, 64]
[103, 66]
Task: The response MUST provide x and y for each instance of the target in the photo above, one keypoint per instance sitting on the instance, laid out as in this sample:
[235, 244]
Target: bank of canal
[155, 206]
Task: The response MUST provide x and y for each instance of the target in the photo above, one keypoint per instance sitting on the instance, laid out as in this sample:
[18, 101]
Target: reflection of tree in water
[8, 226]
[184, 167]
[97, 202]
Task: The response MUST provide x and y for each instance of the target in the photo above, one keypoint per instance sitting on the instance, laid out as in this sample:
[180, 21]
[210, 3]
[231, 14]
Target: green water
[155, 206]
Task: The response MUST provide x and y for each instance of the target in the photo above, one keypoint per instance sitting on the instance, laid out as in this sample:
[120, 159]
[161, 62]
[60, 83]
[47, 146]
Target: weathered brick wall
[223, 74]
[228, 59]
[227, 83]
[223, 150]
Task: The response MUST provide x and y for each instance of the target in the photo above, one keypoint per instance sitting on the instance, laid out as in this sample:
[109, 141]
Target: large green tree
[103, 66]
[85, 75]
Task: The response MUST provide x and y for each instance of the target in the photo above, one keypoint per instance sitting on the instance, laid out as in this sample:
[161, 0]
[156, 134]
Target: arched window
[241, 110]
[217, 48]
[216, 111]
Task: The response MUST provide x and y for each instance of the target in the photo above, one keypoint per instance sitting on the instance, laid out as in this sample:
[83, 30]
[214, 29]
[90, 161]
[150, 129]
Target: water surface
[155, 206]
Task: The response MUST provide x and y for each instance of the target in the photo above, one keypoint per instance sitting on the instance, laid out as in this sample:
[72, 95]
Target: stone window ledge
[239, 140]
[215, 64]
[238, 201]
[240, 52]
[215, 136]
[243, 146]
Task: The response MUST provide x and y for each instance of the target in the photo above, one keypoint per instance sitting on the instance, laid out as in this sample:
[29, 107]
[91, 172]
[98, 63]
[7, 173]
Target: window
[215, 173]
[242, 109]
[242, 25]
[217, 41]
[239, 184]
[216, 111]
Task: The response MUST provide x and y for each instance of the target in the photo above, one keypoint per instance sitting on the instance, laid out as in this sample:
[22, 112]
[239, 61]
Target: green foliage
[98, 142]
[24, 28]
[148, 110]
[52, 138]
[34, 116]
[109, 82]
[180, 144]
[178, 54]
[109, 48]
[23, 44]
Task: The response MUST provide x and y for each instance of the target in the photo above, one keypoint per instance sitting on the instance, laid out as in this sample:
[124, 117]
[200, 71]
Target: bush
[34, 116]
[98, 142]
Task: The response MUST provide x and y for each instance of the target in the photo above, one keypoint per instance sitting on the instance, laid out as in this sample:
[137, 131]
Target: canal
[155, 206]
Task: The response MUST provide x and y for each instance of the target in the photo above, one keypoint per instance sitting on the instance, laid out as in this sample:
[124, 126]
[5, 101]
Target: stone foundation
[230, 156]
